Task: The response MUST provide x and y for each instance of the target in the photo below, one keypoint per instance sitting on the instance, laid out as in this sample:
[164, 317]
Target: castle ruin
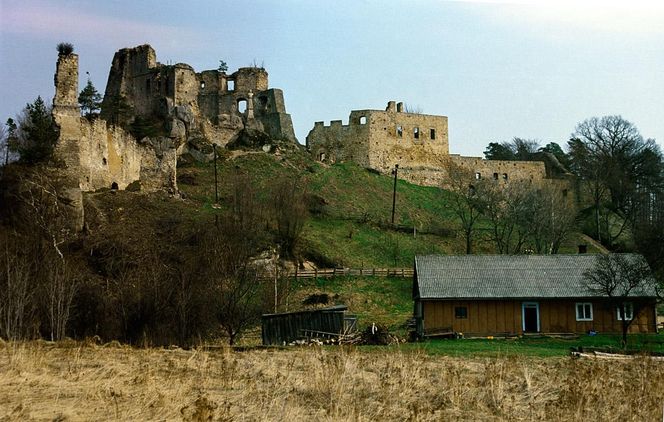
[417, 143]
[185, 112]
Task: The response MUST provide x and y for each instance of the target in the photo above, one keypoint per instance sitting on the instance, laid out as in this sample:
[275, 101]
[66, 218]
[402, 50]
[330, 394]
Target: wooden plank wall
[277, 329]
[504, 316]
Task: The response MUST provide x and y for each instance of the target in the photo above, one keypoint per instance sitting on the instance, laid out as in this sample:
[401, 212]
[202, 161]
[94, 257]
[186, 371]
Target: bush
[65, 48]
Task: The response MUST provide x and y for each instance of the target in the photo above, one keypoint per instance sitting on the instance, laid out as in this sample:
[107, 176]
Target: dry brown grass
[71, 381]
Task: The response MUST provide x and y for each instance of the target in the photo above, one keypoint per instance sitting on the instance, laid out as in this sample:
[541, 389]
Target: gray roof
[504, 276]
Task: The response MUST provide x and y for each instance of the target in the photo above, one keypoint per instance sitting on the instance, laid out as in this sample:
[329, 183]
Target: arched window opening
[478, 175]
[230, 85]
[363, 120]
[114, 186]
[202, 84]
[416, 133]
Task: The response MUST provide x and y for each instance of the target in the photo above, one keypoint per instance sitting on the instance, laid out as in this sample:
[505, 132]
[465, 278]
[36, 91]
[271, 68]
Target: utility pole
[394, 192]
[216, 188]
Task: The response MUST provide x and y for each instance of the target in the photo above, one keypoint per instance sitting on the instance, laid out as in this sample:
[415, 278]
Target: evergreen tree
[38, 134]
[89, 99]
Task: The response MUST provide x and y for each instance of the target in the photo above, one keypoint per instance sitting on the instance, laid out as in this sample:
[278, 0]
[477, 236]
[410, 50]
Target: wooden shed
[516, 294]
[278, 329]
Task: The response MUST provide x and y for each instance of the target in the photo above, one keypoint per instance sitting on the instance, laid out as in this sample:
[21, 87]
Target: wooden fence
[353, 272]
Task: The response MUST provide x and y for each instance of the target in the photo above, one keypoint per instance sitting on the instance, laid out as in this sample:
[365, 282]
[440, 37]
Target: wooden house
[516, 294]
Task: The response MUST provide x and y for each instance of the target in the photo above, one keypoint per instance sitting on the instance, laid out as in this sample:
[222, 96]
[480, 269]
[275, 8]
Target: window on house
[363, 120]
[629, 312]
[432, 134]
[478, 175]
[400, 131]
[460, 312]
[230, 85]
[416, 133]
[495, 176]
[584, 311]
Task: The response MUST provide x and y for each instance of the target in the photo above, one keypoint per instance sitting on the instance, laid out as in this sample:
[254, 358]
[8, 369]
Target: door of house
[530, 315]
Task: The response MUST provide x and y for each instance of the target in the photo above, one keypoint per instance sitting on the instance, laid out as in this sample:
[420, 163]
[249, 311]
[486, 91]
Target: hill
[140, 270]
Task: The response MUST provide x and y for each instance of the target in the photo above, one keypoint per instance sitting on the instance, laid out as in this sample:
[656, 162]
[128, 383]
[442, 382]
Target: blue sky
[497, 69]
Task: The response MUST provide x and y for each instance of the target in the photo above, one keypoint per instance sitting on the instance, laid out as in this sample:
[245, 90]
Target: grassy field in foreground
[73, 382]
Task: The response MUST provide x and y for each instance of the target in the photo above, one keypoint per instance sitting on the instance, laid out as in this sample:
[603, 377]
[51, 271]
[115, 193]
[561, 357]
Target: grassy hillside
[351, 209]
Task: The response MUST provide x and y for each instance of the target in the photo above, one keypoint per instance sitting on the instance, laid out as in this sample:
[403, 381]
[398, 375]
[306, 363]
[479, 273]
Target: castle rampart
[418, 143]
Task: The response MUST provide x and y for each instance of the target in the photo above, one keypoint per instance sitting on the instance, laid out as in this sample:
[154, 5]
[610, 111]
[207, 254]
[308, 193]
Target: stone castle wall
[241, 100]
[97, 155]
[418, 143]
[380, 139]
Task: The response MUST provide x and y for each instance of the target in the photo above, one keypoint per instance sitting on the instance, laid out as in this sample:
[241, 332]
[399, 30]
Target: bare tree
[622, 278]
[290, 213]
[16, 289]
[235, 277]
[507, 209]
[60, 288]
[616, 163]
[468, 202]
[549, 217]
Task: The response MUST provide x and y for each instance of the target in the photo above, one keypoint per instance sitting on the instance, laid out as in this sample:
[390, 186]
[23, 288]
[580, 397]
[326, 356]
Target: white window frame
[583, 317]
[629, 311]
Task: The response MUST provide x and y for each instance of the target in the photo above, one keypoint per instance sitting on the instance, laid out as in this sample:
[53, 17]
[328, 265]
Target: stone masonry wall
[380, 139]
[418, 143]
[97, 155]
[153, 90]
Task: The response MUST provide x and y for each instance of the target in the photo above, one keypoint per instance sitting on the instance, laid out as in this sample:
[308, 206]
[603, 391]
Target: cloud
[44, 21]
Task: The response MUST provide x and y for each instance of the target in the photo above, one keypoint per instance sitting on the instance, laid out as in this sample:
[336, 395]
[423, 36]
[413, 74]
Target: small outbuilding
[329, 322]
[515, 294]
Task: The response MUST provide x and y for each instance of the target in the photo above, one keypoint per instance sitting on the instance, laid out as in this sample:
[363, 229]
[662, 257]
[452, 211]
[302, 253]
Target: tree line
[620, 177]
[158, 277]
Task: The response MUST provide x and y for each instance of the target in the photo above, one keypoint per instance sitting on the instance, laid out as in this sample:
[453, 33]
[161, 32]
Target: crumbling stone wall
[380, 139]
[221, 105]
[97, 155]
[418, 143]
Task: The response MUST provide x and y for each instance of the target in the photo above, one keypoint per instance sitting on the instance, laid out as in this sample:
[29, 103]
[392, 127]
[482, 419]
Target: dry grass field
[72, 381]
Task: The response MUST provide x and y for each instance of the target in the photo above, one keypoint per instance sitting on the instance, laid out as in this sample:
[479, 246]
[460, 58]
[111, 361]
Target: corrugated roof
[504, 276]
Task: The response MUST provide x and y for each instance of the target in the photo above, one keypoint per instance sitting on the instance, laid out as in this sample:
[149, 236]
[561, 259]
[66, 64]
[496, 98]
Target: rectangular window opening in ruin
[400, 131]
[478, 175]
[416, 133]
[495, 176]
[504, 176]
[230, 85]
[147, 85]
[202, 84]
[363, 120]
[432, 134]
[241, 105]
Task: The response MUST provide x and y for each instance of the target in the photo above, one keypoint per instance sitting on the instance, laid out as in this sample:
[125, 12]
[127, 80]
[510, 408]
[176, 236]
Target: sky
[497, 69]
